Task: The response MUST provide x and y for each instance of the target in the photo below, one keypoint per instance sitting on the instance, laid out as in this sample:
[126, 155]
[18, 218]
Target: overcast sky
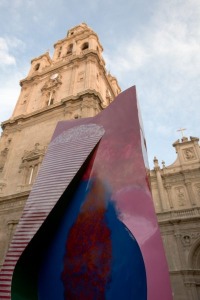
[154, 45]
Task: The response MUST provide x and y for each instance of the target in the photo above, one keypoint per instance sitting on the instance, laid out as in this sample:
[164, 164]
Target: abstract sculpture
[89, 230]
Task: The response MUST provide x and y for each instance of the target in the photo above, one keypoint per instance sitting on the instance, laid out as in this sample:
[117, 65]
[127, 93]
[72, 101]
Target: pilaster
[160, 185]
[190, 192]
[169, 194]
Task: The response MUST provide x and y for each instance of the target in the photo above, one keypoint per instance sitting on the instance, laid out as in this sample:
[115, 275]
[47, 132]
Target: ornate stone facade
[176, 194]
[75, 84]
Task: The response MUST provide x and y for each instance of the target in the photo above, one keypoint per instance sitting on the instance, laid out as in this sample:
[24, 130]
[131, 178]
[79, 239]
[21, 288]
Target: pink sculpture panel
[89, 229]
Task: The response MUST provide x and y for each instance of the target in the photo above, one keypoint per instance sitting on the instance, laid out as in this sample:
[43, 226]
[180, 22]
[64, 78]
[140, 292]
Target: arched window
[51, 98]
[194, 256]
[37, 67]
[85, 46]
[69, 49]
[30, 165]
[29, 175]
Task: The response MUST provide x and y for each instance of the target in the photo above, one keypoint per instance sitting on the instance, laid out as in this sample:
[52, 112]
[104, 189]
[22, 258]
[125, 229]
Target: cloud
[5, 57]
[7, 46]
[15, 43]
[171, 41]
[164, 130]
[163, 60]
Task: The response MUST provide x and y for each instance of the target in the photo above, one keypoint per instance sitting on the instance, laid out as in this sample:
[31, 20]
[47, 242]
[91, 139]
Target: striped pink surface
[55, 175]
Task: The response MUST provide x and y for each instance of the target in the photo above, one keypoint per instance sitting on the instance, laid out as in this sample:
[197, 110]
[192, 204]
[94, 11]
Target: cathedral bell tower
[74, 78]
[72, 84]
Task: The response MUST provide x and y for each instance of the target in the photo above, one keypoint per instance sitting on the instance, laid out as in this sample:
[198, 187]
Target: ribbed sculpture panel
[89, 230]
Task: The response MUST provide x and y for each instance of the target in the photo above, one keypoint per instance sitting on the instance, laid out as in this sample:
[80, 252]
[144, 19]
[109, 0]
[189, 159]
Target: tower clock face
[54, 76]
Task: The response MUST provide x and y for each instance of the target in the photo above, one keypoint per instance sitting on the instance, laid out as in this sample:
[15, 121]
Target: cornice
[185, 272]
[87, 93]
[178, 175]
[19, 122]
[15, 196]
[14, 201]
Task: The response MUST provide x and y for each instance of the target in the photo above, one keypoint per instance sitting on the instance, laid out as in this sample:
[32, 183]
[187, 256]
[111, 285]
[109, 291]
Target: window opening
[51, 98]
[37, 67]
[85, 46]
[31, 175]
[69, 49]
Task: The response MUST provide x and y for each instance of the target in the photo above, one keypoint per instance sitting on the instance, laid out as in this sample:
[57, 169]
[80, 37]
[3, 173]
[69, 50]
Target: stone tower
[73, 84]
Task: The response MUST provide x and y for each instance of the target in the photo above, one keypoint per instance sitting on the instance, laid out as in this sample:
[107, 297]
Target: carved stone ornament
[24, 100]
[187, 239]
[3, 156]
[2, 186]
[189, 154]
[181, 196]
[81, 76]
[53, 82]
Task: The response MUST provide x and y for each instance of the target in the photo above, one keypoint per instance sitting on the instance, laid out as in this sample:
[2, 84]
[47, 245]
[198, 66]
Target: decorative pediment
[29, 166]
[34, 154]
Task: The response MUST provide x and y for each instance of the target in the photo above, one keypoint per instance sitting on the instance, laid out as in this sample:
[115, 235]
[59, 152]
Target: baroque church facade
[74, 84]
[176, 195]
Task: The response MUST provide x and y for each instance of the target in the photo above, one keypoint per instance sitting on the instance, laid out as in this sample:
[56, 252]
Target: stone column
[194, 291]
[87, 106]
[67, 110]
[160, 185]
[87, 74]
[179, 245]
[190, 192]
[73, 79]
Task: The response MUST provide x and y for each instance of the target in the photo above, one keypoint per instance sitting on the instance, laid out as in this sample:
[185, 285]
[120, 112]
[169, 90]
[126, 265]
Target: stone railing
[179, 214]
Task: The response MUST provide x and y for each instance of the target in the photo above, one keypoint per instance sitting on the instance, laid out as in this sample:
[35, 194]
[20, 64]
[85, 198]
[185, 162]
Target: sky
[154, 45]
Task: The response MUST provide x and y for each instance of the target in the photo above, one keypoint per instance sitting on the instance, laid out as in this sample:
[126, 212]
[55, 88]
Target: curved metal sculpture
[89, 230]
